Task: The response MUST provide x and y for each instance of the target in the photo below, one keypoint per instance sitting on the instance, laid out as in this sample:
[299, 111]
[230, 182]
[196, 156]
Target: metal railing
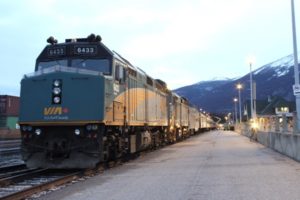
[281, 124]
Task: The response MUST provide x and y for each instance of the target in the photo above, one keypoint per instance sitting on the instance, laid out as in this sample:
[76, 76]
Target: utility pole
[296, 69]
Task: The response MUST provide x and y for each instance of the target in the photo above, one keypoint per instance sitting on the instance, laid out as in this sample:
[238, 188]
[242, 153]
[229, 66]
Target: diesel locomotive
[86, 104]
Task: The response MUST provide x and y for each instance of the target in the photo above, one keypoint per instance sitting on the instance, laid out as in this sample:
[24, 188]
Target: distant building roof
[268, 107]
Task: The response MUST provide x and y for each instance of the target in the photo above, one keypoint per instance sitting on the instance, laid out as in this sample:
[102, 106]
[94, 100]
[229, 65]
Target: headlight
[77, 132]
[56, 90]
[38, 131]
[56, 83]
[56, 99]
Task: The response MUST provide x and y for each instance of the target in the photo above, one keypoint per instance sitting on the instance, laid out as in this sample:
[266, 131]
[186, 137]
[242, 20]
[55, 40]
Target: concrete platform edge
[285, 143]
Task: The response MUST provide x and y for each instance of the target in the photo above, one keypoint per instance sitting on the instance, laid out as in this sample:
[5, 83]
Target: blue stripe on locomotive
[82, 98]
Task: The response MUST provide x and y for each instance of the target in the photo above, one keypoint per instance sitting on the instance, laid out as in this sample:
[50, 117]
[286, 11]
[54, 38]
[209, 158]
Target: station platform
[214, 165]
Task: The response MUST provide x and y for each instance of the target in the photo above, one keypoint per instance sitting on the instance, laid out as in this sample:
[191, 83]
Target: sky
[180, 42]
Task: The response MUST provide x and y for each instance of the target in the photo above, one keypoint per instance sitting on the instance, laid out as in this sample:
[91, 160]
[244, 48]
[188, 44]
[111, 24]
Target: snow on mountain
[283, 62]
[215, 79]
[281, 66]
[273, 79]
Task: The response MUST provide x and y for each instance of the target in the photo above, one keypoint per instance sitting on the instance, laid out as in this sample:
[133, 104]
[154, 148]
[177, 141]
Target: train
[85, 104]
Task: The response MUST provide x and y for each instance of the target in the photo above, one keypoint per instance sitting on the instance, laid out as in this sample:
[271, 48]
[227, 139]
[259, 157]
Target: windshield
[47, 64]
[99, 65]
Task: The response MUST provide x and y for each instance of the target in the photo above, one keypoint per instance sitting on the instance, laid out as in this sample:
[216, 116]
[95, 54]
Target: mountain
[216, 96]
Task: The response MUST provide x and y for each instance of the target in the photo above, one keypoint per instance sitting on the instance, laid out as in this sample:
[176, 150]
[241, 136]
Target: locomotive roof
[122, 59]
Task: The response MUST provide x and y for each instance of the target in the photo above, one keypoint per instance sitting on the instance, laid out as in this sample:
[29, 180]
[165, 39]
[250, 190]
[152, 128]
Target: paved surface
[215, 165]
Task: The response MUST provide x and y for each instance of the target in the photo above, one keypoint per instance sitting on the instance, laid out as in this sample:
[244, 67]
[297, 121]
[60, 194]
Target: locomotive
[85, 104]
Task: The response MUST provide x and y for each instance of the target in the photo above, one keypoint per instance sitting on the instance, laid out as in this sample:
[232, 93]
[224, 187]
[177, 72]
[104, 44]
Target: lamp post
[296, 70]
[253, 113]
[239, 87]
[235, 100]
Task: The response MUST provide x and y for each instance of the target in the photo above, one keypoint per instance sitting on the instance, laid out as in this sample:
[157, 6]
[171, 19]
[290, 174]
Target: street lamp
[235, 100]
[251, 60]
[239, 87]
[296, 70]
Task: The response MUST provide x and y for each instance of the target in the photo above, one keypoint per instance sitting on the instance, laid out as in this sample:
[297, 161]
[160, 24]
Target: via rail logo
[55, 113]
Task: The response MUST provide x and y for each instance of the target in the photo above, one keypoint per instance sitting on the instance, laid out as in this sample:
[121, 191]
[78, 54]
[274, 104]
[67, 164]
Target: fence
[278, 124]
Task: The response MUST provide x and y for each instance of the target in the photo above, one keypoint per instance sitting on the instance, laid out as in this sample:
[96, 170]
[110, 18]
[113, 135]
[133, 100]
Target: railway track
[12, 170]
[18, 182]
[30, 182]
[9, 147]
[10, 160]
[10, 151]
[22, 183]
[10, 143]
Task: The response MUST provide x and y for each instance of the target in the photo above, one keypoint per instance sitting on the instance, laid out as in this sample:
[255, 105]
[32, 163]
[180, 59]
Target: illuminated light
[251, 59]
[56, 83]
[56, 99]
[77, 132]
[239, 86]
[254, 125]
[56, 90]
[38, 131]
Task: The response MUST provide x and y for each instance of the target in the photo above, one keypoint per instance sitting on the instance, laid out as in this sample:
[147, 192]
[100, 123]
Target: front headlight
[77, 132]
[38, 131]
[56, 100]
[56, 83]
[56, 90]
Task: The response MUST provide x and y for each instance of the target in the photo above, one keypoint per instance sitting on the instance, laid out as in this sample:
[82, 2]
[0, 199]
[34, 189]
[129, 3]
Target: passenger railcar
[86, 104]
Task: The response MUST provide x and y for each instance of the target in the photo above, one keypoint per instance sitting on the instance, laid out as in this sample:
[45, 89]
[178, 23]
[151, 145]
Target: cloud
[168, 39]
[184, 28]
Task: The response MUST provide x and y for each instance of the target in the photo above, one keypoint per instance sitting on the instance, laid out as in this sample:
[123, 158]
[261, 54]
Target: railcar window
[149, 81]
[47, 64]
[100, 65]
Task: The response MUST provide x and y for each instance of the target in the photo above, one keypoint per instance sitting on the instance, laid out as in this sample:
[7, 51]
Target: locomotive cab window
[119, 73]
[46, 64]
[99, 65]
